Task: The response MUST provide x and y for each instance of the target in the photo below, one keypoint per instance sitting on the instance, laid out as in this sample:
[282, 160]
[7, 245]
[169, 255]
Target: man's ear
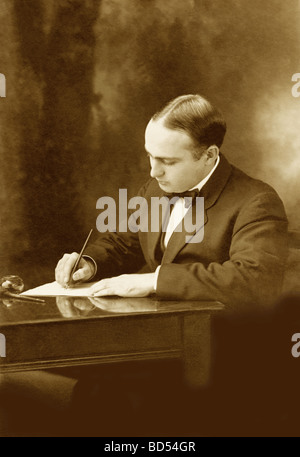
[212, 153]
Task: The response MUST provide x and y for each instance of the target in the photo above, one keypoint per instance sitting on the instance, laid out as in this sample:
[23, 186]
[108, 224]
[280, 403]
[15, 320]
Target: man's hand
[64, 267]
[134, 285]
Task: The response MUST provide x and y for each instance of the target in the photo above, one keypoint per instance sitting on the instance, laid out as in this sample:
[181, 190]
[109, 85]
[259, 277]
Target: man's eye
[170, 163]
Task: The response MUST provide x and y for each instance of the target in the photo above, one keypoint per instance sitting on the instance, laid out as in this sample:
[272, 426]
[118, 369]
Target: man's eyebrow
[162, 158]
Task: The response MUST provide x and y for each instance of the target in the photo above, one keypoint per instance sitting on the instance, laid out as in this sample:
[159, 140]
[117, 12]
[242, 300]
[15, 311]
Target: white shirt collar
[204, 181]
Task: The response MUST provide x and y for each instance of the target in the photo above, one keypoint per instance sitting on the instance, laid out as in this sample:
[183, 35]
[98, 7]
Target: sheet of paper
[53, 289]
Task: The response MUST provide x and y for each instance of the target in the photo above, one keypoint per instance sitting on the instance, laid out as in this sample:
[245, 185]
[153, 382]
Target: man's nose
[156, 170]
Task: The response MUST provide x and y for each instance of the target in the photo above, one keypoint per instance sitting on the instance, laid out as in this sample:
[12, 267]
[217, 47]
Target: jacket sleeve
[253, 273]
[117, 252]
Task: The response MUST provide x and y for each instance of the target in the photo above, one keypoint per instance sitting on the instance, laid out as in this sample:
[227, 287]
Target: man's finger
[67, 268]
[58, 270]
[79, 274]
[83, 273]
[63, 268]
[104, 293]
[99, 285]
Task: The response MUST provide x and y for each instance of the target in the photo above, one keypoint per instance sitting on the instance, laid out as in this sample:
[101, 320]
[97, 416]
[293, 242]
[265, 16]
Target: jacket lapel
[153, 237]
[211, 192]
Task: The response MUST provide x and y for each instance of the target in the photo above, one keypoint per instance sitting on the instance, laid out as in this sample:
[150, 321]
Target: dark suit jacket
[240, 260]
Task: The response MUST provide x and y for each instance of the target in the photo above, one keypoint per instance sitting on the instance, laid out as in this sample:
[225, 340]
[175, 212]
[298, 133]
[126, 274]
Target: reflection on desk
[17, 311]
[72, 331]
[82, 306]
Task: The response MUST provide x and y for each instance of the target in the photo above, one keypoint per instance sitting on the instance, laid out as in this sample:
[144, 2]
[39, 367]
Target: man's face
[171, 159]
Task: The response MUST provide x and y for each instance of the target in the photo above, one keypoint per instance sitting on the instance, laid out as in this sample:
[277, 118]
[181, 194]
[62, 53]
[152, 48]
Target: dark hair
[196, 116]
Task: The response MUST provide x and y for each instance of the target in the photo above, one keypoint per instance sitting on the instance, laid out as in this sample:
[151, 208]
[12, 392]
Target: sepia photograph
[149, 220]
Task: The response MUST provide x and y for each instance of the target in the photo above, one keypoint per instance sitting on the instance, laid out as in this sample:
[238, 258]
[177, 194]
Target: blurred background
[83, 77]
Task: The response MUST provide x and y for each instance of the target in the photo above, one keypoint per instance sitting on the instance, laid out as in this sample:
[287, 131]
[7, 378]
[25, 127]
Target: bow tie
[188, 193]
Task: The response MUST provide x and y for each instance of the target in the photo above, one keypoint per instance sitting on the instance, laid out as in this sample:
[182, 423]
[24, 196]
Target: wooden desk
[75, 332]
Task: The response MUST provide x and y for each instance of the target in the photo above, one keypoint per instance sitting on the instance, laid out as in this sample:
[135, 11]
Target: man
[240, 260]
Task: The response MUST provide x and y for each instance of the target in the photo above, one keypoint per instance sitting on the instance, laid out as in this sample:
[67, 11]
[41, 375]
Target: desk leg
[197, 349]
